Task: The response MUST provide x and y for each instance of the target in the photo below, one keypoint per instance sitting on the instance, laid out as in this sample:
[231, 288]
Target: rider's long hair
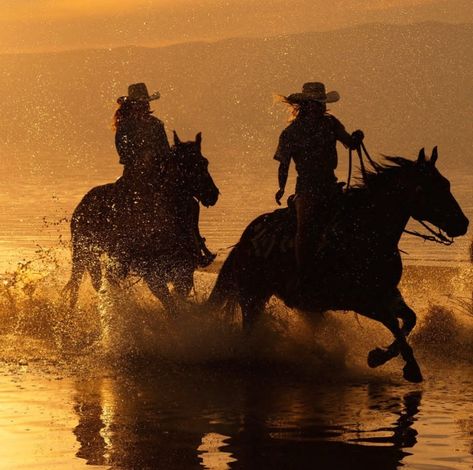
[122, 114]
[297, 109]
[125, 113]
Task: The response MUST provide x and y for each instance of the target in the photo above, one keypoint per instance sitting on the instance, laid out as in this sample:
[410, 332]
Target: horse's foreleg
[411, 370]
[377, 357]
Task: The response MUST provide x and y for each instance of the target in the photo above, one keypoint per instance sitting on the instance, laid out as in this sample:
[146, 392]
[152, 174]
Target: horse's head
[432, 200]
[193, 170]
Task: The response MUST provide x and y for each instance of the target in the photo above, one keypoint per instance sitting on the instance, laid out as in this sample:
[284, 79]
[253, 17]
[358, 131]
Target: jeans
[313, 212]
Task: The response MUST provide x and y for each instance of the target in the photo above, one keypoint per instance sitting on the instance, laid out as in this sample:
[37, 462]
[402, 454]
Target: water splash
[125, 323]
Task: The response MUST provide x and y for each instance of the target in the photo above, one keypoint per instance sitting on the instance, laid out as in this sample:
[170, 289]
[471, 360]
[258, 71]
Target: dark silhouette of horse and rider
[147, 221]
[330, 249]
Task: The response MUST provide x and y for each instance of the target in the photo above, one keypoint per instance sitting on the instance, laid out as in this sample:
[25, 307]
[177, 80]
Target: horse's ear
[435, 155]
[177, 141]
[421, 157]
[198, 139]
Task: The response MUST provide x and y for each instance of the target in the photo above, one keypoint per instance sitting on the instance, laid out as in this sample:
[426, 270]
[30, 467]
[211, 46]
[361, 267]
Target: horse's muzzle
[210, 199]
[459, 228]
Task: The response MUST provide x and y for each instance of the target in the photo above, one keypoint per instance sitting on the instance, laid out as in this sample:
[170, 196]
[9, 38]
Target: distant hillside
[405, 86]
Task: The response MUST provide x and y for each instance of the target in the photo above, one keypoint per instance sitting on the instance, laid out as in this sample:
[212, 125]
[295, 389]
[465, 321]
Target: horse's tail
[225, 289]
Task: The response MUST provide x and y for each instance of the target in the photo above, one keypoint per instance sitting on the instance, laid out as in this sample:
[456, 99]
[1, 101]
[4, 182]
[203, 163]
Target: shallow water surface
[220, 418]
[36, 206]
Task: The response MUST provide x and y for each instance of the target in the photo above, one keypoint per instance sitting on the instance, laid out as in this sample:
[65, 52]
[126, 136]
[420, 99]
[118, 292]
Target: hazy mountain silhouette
[406, 86]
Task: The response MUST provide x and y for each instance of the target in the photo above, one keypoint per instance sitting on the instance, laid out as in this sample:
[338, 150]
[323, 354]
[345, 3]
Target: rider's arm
[351, 141]
[283, 156]
[283, 172]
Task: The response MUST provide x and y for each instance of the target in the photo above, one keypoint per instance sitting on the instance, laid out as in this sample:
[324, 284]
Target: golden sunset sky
[49, 25]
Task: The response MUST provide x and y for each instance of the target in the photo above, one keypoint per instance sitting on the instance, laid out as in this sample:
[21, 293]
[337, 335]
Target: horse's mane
[390, 167]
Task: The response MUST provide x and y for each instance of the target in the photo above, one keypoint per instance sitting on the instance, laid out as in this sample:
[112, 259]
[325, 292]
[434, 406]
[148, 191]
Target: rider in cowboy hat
[140, 137]
[143, 146]
[310, 140]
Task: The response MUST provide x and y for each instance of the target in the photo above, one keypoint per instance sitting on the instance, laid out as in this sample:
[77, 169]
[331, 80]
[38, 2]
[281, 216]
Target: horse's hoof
[377, 357]
[412, 373]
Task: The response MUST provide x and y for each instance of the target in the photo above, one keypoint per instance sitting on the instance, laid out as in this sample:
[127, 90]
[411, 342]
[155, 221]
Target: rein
[437, 237]
[366, 155]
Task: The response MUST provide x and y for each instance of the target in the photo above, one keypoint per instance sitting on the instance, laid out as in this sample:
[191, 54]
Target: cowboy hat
[139, 92]
[313, 91]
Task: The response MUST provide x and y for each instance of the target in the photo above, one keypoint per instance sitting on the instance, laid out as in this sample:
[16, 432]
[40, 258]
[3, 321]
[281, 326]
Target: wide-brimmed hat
[139, 92]
[313, 91]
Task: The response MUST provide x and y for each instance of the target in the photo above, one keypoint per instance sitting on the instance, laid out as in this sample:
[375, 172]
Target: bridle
[435, 235]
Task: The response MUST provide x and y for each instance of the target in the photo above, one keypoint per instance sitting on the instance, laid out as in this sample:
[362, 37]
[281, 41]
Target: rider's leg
[205, 255]
[305, 235]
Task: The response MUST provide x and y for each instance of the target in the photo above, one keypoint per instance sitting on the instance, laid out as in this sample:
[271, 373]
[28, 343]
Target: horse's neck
[172, 185]
[164, 180]
[389, 213]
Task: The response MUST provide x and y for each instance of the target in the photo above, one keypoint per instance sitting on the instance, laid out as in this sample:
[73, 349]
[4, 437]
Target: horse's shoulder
[268, 222]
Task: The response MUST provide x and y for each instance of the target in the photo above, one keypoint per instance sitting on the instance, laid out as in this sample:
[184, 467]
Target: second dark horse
[143, 226]
[359, 267]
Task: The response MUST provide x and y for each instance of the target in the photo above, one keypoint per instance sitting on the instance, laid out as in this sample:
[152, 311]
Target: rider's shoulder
[291, 130]
[333, 121]
[154, 120]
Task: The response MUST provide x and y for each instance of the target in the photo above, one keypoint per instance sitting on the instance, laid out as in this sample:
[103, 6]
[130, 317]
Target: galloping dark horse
[143, 226]
[359, 266]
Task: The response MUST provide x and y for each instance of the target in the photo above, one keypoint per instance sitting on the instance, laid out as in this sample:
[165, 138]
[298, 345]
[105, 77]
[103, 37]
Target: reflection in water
[212, 452]
[401, 433]
[88, 406]
[123, 427]
[209, 419]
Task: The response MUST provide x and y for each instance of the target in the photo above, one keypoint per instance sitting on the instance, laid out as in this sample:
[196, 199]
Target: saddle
[276, 231]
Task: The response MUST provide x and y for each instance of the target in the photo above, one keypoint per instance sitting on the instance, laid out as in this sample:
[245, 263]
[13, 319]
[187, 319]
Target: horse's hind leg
[251, 309]
[95, 270]
[183, 282]
[83, 260]
[159, 288]
[77, 272]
